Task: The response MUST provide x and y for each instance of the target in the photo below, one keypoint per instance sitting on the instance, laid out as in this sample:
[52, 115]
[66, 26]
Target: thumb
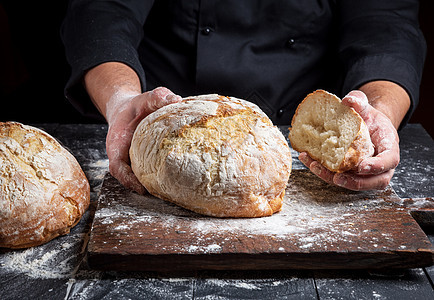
[160, 97]
[359, 102]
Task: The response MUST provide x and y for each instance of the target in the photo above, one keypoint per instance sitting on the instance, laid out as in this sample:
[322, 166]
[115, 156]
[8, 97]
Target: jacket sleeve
[95, 32]
[381, 40]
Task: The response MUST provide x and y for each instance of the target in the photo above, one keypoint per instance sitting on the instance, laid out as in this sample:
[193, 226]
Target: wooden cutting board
[320, 227]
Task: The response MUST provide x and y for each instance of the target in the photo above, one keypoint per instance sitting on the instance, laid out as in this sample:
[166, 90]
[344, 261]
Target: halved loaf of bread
[330, 132]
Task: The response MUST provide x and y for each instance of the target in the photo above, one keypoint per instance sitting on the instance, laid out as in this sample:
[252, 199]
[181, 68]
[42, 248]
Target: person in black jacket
[130, 57]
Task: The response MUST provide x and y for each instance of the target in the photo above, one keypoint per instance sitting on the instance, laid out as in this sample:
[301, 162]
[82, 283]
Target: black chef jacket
[270, 52]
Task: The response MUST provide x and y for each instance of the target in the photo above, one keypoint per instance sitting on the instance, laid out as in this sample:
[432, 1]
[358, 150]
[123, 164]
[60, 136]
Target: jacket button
[206, 31]
[290, 42]
[280, 113]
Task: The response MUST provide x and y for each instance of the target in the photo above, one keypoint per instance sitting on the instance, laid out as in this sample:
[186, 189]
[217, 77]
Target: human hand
[124, 113]
[373, 172]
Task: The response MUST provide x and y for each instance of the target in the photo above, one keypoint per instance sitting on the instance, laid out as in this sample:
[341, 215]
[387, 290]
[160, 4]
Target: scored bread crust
[360, 147]
[44, 191]
[215, 155]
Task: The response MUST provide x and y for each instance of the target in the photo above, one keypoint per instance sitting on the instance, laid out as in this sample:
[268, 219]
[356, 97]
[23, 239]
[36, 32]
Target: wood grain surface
[320, 227]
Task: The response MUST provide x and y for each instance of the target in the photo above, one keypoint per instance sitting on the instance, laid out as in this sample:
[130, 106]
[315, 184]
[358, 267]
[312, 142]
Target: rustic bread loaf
[330, 132]
[43, 190]
[218, 156]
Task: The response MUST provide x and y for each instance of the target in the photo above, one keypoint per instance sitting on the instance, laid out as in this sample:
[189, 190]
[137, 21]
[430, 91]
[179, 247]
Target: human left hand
[373, 172]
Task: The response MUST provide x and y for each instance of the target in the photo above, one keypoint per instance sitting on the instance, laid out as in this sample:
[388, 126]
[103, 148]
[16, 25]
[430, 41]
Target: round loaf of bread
[330, 132]
[214, 155]
[44, 191]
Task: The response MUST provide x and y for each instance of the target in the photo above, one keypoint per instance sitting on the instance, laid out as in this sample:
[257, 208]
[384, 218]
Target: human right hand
[124, 113]
[115, 90]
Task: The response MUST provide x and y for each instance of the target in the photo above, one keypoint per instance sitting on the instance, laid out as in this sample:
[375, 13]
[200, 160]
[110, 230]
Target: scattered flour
[48, 261]
[208, 249]
[314, 217]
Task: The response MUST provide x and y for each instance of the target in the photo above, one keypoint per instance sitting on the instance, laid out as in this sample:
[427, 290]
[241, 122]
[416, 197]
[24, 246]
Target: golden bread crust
[217, 156]
[44, 191]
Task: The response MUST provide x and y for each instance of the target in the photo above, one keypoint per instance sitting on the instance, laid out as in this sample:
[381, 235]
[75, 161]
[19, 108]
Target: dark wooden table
[58, 269]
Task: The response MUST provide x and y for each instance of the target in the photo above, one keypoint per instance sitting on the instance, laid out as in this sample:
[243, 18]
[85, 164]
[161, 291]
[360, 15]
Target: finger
[363, 183]
[305, 159]
[118, 143]
[384, 161]
[322, 172]
[117, 146]
[316, 168]
[123, 173]
[160, 97]
[172, 98]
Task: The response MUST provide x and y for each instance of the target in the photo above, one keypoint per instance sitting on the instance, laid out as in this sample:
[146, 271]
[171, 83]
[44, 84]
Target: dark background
[33, 69]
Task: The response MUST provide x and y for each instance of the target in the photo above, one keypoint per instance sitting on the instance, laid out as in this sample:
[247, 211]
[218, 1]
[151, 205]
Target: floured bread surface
[44, 191]
[218, 156]
[330, 132]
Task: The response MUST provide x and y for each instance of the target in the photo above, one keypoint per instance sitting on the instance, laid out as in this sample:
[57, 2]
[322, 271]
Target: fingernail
[350, 99]
[172, 98]
[302, 157]
[341, 180]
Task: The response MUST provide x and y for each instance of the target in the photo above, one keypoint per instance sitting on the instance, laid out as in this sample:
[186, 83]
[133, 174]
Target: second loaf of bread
[43, 190]
[218, 156]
